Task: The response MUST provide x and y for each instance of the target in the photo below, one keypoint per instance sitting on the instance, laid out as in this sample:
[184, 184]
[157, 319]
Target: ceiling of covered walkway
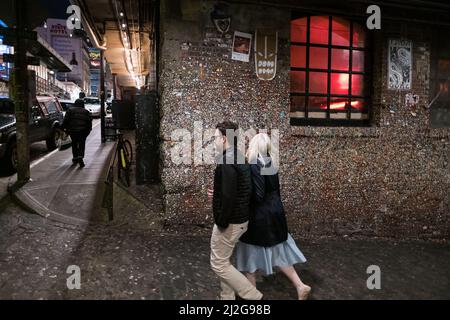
[123, 29]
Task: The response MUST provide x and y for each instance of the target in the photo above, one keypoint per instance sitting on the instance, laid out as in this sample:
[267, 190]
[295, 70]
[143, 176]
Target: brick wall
[391, 179]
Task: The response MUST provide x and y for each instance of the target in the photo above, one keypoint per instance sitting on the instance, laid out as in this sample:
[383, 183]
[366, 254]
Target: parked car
[66, 104]
[92, 104]
[45, 119]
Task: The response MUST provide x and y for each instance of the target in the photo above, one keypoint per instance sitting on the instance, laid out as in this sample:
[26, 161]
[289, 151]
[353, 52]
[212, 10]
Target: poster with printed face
[266, 49]
[241, 46]
[399, 64]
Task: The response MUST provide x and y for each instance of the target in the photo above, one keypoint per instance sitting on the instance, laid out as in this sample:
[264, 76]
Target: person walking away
[230, 195]
[267, 243]
[78, 124]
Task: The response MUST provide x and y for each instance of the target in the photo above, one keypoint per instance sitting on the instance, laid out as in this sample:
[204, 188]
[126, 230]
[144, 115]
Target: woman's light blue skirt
[250, 258]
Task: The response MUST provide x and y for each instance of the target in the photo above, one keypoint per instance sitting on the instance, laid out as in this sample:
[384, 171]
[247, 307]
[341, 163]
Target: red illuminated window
[329, 77]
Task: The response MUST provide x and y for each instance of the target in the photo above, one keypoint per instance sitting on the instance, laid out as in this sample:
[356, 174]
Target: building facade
[363, 115]
[72, 48]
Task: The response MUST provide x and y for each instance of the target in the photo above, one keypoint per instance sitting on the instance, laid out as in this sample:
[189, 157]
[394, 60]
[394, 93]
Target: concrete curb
[25, 200]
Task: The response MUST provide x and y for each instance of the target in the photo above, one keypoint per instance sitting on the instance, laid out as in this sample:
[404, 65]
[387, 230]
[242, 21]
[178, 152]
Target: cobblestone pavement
[123, 261]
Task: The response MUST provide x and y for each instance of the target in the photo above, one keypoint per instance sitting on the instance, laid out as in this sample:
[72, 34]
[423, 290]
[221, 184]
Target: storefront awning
[48, 55]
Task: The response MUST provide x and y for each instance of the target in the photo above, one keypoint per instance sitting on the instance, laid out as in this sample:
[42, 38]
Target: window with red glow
[329, 78]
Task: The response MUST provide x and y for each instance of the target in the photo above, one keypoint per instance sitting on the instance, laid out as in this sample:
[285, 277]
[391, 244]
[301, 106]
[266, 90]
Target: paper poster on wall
[400, 64]
[266, 49]
[241, 46]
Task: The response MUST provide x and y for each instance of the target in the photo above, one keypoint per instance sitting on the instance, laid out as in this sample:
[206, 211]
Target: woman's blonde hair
[259, 147]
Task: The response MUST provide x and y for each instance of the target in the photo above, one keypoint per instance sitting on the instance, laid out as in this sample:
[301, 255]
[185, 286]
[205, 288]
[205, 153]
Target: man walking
[231, 197]
[78, 123]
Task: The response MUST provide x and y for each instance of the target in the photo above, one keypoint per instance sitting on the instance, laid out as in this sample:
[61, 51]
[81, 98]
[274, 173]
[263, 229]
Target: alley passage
[128, 261]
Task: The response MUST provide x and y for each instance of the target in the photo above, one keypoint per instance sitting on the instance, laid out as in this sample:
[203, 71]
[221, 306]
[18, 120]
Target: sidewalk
[4, 195]
[61, 191]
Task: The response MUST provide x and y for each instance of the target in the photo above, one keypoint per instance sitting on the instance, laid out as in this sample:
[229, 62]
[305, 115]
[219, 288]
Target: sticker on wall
[266, 50]
[220, 18]
[400, 64]
[241, 46]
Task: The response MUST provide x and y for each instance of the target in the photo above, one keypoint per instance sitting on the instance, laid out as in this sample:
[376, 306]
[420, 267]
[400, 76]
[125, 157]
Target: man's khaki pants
[231, 280]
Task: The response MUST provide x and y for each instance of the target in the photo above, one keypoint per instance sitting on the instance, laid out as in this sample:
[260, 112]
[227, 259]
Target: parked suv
[46, 118]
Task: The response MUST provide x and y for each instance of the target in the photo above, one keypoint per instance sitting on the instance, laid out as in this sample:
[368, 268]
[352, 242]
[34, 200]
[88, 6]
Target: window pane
[51, 107]
[298, 56]
[339, 83]
[358, 88]
[359, 36]
[298, 30]
[341, 32]
[318, 58]
[318, 82]
[297, 81]
[338, 108]
[358, 61]
[443, 70]
[340, 59]
[319, 29]
[338, 104]
[298, 105]
[317, 107]
[360, 109]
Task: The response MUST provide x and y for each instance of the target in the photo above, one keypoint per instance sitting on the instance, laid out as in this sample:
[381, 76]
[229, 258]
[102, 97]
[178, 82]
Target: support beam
[102, 95]
[22, 97]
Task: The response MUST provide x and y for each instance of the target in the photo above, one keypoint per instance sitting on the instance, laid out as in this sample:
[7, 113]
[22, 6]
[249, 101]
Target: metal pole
[114, 80]
[102, 96]
[22, 99]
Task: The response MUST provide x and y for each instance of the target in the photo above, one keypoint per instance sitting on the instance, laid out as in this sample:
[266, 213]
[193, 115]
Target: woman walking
[267, 243]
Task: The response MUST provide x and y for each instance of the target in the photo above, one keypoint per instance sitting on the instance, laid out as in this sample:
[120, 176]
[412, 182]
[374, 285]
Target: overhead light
[121, 14]
[124, 25]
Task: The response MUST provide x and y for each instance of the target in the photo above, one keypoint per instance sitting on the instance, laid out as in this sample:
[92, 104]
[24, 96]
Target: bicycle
[124, 154]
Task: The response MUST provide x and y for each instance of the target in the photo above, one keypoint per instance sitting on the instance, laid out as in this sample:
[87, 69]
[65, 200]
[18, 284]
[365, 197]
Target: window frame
[366, 73]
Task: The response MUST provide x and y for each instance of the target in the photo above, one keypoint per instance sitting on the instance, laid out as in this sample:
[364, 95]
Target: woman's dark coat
[267, 224]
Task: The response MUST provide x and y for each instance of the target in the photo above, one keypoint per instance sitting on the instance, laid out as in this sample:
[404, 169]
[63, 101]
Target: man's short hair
[226, 125]
[82, 95]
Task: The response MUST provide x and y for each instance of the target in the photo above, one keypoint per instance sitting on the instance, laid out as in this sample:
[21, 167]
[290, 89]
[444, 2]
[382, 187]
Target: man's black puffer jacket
[232, 189]
[78, 119]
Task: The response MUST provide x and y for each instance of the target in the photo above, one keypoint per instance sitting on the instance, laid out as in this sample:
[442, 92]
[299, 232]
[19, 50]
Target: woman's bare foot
[303, 291]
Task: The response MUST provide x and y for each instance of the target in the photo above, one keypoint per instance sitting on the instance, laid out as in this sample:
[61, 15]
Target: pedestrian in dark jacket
[231, 195]
[267, 243]
[78, 124]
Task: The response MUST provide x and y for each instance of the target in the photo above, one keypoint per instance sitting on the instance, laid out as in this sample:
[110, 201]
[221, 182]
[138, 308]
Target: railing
[44, 86]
